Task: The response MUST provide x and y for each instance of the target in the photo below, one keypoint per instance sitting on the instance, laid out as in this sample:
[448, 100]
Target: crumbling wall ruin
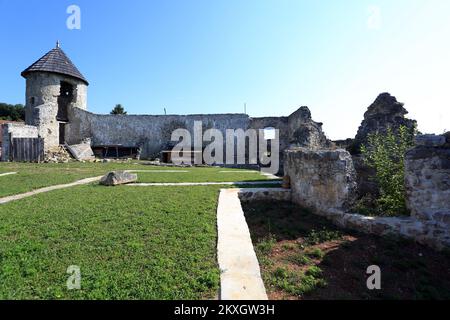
[280, 123]
[325, 181]
[321, 179]
[152, 132]
[328, 181]
[385, 112]
[427, 178]
[305, 132]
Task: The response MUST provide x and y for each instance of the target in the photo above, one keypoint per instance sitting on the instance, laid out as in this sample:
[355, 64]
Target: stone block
[427, 181]
[81, 152]
[117, 178]
[321, 179]
[430, 140]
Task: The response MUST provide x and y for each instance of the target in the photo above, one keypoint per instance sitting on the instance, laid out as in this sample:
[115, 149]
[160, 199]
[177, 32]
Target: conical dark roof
[55, 61]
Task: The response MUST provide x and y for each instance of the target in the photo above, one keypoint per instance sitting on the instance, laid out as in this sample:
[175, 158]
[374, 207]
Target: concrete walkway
[270, 176]
[180, 184]
[157, 171]
[240, 277]
[236, 171]
[48, 189]
[94, 179]
[7, 174]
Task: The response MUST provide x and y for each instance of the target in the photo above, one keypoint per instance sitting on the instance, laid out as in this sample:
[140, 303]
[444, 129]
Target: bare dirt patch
[304, 256]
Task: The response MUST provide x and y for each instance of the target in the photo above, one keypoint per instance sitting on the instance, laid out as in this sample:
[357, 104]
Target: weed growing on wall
[386, 154]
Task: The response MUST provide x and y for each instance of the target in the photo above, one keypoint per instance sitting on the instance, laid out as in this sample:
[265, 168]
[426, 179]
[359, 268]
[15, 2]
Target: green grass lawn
[130, 243]
[202, 175]
[35, 176]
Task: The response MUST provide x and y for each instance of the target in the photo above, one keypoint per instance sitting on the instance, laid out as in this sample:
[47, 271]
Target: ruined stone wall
[304, 132]
[154, 132]
[385, 112]
[322, 179]
[427, 178]
[15, 130]
[280, 123]
[151, 132]
[42, 92]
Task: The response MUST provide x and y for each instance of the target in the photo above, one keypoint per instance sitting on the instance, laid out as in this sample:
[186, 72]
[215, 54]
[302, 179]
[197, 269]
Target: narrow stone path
[169, 184]
[270, 176]
[249, 171]
[158, 171]
[48, 189]
[7, 174]
[240, 276]
[94, 179]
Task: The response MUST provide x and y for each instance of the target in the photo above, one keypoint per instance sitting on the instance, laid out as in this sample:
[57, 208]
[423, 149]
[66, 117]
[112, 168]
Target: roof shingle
[55, 61]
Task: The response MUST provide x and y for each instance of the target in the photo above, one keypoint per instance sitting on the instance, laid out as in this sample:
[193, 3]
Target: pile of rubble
[57, 155]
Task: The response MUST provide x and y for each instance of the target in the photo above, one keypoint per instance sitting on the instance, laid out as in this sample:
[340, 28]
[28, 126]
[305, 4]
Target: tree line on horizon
[16, 112]
[12, 112]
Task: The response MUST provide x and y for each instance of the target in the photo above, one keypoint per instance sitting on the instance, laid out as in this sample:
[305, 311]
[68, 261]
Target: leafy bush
[386, 154]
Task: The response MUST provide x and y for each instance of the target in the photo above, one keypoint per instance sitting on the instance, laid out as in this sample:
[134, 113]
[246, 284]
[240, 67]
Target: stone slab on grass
[116, 178]
[81, 152]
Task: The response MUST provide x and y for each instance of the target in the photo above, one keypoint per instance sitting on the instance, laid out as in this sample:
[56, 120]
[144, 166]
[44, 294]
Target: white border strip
[240, 171]
[7, 174]
[157, 171]
[48, 189]
[240, 275]
[168, 184]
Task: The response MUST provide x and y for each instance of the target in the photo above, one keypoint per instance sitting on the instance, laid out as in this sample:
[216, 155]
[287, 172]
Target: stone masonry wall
[15, 130]
[151, 132]
[427, 178]
[280, 123]
[322, 179]
[385, 112]
[41, 108]
[304, 132]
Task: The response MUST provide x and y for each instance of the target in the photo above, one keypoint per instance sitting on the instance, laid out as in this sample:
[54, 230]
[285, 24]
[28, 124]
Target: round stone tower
[54, 86]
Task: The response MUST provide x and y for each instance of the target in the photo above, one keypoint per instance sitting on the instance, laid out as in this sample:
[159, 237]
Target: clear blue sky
[194, 56]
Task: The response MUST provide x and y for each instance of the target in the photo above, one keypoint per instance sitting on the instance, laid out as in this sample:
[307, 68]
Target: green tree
[386, 154]
[118, 109]
[12, 112]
